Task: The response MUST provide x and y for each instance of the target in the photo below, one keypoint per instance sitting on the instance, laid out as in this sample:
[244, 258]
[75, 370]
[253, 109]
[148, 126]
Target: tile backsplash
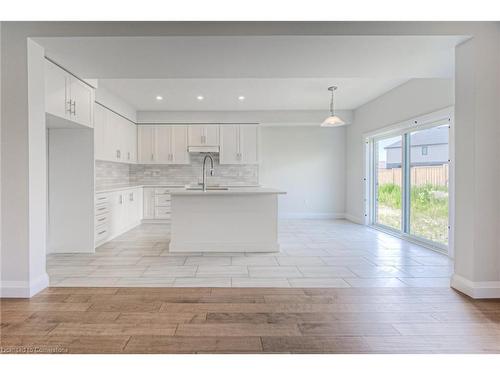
[110, 174]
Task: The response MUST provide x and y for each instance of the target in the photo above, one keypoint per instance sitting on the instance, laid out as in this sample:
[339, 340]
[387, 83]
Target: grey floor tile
[273, 272]
[221, 271]
[318, 283]
[242, 282]
[325, 271]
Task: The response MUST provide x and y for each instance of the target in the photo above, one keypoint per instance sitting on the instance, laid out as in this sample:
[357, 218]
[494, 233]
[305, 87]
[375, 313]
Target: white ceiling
[272, 72]
[260, 94]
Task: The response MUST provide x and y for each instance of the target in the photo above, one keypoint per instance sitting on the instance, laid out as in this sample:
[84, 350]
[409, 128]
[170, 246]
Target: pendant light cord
[331, 104]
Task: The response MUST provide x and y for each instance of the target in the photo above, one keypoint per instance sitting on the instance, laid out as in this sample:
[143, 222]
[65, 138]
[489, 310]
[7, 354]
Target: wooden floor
[250, 320]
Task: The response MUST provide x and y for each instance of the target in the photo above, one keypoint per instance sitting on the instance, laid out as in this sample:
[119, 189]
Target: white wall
[71, 190]
[266, 118]
[309, 164]
[413, 98]
[114, 102]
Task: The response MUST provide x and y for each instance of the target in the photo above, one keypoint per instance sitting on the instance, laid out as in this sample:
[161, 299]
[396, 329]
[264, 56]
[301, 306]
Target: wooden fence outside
[432, 175]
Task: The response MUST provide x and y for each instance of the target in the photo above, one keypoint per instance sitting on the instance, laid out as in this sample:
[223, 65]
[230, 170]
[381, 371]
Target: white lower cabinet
[117, 212]
[156, 204]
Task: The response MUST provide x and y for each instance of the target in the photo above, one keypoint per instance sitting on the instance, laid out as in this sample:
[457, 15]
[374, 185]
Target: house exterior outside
[428, 148]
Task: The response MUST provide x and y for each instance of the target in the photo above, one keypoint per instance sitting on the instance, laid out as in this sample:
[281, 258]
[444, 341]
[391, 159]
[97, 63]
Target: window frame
[404, 129]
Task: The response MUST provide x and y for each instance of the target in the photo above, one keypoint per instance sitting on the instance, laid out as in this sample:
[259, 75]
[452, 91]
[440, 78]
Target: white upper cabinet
[82, 102]
[145, 140]
[179, 144]
[115, 137]
[203, 135]
[68, 97]
[229, 144]
[100, 141]
[249, 144]
[239, 144]
[163, 144]
[56, 97]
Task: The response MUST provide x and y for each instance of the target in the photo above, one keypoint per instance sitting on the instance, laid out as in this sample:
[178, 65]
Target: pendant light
[332, 120]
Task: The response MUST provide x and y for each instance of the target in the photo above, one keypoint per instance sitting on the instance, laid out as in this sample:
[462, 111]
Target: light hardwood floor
[250, 320]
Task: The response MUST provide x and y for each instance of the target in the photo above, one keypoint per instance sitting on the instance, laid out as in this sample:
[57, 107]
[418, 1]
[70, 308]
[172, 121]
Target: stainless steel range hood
[198, 149]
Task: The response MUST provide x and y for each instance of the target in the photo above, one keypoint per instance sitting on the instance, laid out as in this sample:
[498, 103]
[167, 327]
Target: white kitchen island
[232, 220]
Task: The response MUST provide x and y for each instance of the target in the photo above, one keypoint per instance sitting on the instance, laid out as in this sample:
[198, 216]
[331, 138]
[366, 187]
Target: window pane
[388, 182]
[429, 184]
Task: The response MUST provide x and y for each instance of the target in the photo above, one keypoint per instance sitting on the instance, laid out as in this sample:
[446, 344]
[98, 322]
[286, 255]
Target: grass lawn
[428, 210]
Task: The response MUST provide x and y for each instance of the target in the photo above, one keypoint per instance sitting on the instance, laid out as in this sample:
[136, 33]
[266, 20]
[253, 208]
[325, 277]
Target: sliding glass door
[429, 184]
[388, 182]
[410, 182]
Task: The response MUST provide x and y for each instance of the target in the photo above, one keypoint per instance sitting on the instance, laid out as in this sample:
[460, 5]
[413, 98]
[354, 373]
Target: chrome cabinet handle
[102, 232]
[131, 197]
[68, 109]
[128, 155]
[121, 199]
[74, 107]
[101, 219]
[152, 156]
[118, 154]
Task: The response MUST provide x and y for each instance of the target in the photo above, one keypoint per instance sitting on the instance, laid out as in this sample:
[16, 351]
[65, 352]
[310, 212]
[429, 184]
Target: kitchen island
[224, 220]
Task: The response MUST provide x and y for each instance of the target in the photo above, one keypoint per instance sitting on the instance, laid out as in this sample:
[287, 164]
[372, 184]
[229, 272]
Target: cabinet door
[82, 102]
[132, 137]
[196, 135]
[229, 144]
[56, 87]
[145, 137]
[249, 144]
[100, 152]
[163, 144]
[132, 204]
[116, 213]
[211, 135]
[180, 144]
[148, 203]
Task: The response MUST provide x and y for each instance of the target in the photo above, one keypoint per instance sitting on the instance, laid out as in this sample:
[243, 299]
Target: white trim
[476, 289]
[354, 219]
[23, 289]
[312, 215]
[419, 122]
[435, 246]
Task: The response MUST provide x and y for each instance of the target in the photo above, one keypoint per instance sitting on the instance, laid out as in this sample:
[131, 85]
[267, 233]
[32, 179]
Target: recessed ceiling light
[159, 97]
[200, 97]
[241, 98]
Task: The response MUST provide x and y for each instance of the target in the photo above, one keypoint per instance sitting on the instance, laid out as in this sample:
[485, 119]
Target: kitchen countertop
[230, 191]
[179, 187]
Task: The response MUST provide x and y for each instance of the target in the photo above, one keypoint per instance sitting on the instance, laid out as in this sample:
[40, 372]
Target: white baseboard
[23, 289]
[476, 289]
[311, 215]
[354, 219]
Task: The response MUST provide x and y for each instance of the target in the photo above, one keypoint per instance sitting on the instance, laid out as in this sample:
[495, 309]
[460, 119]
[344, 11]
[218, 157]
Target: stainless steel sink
[208, 188]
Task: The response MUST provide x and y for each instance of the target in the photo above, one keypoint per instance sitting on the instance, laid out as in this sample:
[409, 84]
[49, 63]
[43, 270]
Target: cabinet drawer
[161, 191]
[162, 212]
[101, 199]
[101, 209]
[101, 234]
[162, 200]
[101, 220]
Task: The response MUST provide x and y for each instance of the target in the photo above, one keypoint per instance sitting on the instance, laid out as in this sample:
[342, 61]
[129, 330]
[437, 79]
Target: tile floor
[315, 253]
